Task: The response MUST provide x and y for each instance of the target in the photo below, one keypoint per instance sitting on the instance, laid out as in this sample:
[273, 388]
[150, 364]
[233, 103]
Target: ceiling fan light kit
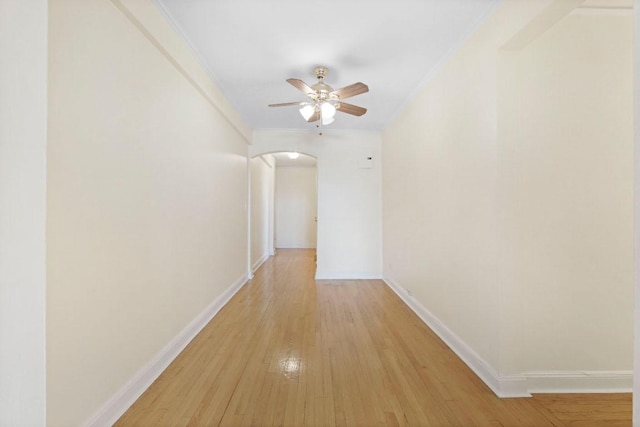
[324, 100]
[307, 111]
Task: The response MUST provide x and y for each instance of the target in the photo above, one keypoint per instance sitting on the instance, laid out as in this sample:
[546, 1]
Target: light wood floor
[289, 351]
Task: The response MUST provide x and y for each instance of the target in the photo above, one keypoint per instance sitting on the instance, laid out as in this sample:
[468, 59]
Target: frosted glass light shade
[327, 120]
[307, 111]
[328, 111]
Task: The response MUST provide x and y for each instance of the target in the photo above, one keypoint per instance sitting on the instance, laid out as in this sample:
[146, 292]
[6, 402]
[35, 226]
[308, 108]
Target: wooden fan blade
[315, 116]
[287, 104]
[302, 86]
[351, 90]
[351, 109]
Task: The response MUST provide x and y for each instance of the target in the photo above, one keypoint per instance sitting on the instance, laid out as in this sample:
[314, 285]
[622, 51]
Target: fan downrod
[321, 72]
[322, 89]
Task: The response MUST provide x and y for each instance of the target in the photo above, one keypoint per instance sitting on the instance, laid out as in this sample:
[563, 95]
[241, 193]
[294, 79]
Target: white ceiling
[250, 47]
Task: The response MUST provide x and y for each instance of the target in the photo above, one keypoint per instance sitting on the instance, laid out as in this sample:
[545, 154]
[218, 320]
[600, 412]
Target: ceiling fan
[324, 100]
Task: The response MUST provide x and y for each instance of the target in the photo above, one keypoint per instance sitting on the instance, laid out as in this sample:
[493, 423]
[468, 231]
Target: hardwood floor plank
[291, 351]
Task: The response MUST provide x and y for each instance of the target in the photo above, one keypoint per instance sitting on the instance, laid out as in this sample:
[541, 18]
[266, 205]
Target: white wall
[349, 221]
[23, 140]
[507, 200]
[147, 203]
[262, 201]
[296, 207]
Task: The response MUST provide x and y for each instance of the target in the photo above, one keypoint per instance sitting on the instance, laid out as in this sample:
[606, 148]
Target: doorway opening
[283, 204]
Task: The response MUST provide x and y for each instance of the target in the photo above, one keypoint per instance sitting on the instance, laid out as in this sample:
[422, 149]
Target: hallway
[287, 350]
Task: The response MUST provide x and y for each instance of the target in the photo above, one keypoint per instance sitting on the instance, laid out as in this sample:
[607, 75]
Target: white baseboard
[298, 246]
[346, 275]
[256, 265]
[521, 385]
[512, 386]
[131, 391]
[579, 381]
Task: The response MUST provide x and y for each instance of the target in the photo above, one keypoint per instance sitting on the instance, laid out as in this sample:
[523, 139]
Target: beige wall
[566, 187]
[507, 194]
[147, 195]
[23, 141]
[439, 192]
[636, 100]
[262, 216]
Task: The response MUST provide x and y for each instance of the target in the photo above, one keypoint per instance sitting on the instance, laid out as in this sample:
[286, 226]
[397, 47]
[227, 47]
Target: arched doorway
[283, 204]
